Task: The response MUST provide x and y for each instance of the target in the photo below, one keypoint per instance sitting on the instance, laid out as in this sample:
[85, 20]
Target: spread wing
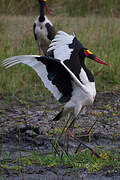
[56, 76]
[38, 66]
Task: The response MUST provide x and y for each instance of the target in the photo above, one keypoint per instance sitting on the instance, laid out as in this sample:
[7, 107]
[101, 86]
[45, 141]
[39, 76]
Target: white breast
[41, 32]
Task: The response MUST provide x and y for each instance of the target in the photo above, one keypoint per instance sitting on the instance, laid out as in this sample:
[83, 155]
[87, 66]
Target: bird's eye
[87, 52]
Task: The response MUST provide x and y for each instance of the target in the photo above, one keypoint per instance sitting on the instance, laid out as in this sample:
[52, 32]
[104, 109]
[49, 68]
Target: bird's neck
[41, 17]
[88, 72]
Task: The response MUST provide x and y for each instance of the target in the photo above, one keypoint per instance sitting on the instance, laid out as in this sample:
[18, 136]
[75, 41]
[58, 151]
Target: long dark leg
[89, 132]
[91, 127]
[69, 133]
[63, 130]
[71, 125]
[93, 152]
[80, 143]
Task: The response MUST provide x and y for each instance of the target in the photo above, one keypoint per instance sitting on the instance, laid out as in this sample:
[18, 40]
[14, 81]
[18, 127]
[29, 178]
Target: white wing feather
[62, 52]
[59, 46]
[38, 66]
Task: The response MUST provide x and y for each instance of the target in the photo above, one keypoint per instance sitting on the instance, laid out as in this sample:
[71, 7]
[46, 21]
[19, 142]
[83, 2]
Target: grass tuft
[83, 159]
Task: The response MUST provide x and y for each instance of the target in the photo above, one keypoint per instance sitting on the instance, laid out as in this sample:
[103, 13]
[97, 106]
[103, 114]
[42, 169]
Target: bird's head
[84, 52]
[90, 55]
[42, 1]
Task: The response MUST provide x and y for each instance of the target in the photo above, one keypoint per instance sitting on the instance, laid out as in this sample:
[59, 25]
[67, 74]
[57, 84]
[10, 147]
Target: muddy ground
[26, 125]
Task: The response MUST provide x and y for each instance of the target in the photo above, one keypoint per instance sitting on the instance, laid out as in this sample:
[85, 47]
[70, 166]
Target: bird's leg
[80, 143]
[71, 125]
[90, 130]
[69, 133]
[93, 152]
[59, 137]
[59, 115]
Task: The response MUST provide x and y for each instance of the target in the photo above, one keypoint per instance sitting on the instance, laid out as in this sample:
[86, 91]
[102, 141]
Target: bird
[43, 29]
[65, 74]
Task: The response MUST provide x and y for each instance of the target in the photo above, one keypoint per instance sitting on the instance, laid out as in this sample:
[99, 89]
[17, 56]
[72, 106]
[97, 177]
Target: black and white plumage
[72, 55]
[66, 75]
[43, 29]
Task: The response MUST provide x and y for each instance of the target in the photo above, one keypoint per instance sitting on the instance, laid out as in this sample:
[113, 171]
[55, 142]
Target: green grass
[84, 159]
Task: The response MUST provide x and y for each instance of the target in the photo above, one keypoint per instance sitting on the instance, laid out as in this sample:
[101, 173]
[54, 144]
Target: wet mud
[26, 127]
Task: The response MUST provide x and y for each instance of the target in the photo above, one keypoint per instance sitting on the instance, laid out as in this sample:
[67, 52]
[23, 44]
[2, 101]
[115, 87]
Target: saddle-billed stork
[43, 29]
[66, 75]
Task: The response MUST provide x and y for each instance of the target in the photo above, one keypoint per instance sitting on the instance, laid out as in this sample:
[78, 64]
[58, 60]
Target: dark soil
[27, 126]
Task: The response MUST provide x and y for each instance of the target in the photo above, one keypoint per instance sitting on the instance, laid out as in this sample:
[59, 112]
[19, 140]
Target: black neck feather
[42, 17]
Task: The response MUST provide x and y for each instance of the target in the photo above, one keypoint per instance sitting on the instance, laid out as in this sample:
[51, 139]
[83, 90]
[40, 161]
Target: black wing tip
[47, 58]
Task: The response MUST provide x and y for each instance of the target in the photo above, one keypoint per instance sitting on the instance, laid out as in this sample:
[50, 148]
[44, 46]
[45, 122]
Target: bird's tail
[58, 116]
